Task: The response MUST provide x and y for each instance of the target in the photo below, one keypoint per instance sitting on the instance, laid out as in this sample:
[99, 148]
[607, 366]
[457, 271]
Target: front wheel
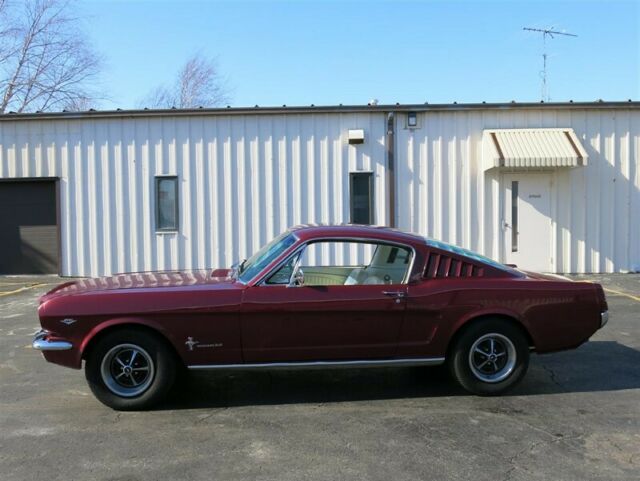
[130, 370]
[490, 357]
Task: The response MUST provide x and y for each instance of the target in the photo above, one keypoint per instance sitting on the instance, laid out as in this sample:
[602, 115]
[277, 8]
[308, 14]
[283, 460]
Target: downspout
[391, 173]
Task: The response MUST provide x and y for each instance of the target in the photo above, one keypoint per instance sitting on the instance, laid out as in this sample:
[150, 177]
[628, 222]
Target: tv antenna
[546, 32]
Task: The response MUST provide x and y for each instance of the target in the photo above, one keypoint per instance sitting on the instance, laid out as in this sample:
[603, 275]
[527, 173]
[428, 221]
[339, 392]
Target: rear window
[474, 256]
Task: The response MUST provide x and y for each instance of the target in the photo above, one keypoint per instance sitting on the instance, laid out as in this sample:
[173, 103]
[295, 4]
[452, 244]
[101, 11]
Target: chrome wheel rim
[492, 358]
[127, 370]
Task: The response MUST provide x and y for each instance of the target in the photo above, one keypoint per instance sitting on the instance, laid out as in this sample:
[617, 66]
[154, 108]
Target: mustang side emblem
[190, 343]
[68, 321]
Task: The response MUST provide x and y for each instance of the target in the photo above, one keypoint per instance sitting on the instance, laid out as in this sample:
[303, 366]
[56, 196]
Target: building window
[361, 198]
[167, 203]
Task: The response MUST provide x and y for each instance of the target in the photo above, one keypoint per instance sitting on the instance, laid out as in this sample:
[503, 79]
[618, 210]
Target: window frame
[176, 227]
[262, 281]
[280, 238]
[352, 176]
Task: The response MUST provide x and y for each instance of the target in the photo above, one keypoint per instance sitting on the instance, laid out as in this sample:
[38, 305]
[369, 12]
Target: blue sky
[330, 52]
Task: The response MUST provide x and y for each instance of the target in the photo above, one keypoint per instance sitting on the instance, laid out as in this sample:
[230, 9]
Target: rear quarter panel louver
[441, 265]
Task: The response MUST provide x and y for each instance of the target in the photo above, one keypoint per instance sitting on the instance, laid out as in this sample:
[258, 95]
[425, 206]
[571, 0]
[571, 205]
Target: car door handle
[398, 294]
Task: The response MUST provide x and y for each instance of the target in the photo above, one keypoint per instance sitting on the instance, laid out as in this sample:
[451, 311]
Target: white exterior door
[526, 221]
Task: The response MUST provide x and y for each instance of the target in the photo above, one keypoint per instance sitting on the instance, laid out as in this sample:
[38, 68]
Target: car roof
[380, 233]
[317, 231]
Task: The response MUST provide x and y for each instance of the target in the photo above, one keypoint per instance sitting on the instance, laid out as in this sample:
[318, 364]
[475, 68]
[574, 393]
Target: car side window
[283, 275]
[390, 263]
[349, 263]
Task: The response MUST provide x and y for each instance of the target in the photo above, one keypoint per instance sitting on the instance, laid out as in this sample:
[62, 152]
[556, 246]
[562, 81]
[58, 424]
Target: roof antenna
[543, 74]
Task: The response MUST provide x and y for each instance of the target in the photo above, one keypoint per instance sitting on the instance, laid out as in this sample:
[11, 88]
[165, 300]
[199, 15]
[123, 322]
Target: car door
[337, 314]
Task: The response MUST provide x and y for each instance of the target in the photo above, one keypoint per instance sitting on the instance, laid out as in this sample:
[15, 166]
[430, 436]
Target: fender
[127, 321]
[494, 311]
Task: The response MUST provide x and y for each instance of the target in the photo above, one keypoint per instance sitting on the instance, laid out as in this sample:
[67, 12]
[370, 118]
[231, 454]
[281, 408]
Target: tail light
[601, 298]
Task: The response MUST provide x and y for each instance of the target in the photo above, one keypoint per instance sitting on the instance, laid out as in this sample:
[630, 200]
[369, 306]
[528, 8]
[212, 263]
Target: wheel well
[475, 320]
[135, 327]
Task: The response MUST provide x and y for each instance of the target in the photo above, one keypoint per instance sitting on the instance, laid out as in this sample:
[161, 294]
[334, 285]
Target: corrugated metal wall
[445, 194]
[245, 178]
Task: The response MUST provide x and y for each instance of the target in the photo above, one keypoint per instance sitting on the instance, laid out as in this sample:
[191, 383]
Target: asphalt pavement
[576, 416]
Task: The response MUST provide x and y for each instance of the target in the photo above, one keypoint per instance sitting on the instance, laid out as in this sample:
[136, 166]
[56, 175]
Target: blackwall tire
[130, 370]
[490, 357]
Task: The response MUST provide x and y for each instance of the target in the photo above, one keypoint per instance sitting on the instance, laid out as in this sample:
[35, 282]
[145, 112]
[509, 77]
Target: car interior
[333, 263]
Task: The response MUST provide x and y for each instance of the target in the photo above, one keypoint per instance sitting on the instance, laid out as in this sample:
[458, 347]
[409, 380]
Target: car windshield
[467, 253]
[261, 259]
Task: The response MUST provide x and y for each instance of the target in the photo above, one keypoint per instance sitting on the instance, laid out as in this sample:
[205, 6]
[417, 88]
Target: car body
[303, 301]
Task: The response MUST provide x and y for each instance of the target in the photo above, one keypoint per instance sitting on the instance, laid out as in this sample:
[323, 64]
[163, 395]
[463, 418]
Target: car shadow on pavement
[595, 366]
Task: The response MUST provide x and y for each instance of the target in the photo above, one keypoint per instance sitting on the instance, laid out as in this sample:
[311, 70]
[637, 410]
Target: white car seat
[360, 276]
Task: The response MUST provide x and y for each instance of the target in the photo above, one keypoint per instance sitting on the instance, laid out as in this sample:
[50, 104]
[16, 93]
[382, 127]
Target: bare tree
[79, 104]
[45, 60]
[198, 84]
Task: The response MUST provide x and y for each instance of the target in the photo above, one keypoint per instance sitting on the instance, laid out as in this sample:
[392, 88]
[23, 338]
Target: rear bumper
[42, 343]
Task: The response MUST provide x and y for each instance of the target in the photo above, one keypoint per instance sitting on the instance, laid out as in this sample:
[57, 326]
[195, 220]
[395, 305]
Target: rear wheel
[130, 370]
[489, 357]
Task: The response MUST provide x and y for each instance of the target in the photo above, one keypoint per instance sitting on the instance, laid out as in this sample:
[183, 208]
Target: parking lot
[576, 416]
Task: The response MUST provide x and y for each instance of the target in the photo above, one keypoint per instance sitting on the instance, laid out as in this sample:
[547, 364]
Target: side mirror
[234, 270]
[298, 278]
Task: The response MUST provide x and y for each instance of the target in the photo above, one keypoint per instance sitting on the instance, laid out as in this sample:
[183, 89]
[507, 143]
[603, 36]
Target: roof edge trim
[99, 114]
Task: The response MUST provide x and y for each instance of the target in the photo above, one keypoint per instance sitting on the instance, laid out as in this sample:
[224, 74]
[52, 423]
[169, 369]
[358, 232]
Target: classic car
[317, 297]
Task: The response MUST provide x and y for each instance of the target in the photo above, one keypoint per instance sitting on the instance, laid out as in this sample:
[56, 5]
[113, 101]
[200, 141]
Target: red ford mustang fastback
[317, 296]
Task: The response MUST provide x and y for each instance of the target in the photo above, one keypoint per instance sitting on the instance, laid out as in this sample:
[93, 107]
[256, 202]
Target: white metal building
[553, 187]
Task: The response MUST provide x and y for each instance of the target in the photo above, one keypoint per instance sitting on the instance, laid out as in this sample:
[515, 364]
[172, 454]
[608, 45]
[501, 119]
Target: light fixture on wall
[356, 136]
[412, 120]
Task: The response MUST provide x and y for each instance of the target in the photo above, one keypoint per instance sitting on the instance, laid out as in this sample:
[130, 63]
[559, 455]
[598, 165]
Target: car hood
[140, 280]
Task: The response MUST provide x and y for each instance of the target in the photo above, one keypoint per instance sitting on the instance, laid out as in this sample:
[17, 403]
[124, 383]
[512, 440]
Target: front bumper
[42, 343]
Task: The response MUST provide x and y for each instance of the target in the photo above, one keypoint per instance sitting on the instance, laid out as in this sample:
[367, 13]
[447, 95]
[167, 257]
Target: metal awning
[532, 148]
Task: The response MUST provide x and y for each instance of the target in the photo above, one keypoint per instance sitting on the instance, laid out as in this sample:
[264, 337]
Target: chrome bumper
[604, 318]
[42, 344]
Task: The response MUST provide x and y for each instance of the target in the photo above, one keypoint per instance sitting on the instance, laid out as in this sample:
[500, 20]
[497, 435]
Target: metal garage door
[28, 227]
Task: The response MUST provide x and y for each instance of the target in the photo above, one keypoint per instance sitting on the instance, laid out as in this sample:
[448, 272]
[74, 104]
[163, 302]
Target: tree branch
[45, 59]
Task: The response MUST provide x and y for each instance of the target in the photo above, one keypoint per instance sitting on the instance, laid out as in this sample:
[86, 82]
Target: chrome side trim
[426, 361]
[41, 344]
